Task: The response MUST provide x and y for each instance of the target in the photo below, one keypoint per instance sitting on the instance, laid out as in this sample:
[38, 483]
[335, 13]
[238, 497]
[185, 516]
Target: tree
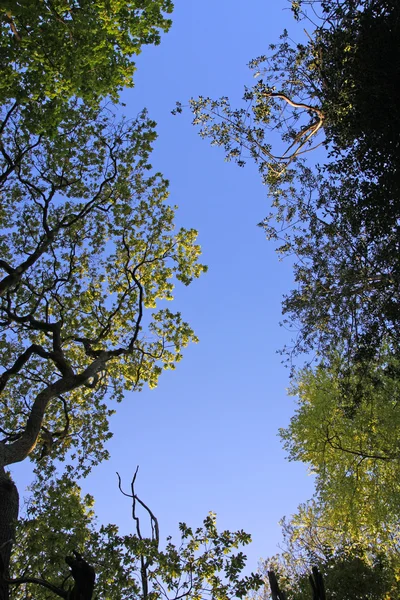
[205, 564]
[88, 251]
[340, 219]
[346, 575]
[356, 84]
[60, 56]
[350, 569]
[346, 429]
[54, 50]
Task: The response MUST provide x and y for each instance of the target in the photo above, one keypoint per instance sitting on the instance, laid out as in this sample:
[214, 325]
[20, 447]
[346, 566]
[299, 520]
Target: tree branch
[20, 362]
[42, 582]
[21, 448]
[155, 534]
[11, 23]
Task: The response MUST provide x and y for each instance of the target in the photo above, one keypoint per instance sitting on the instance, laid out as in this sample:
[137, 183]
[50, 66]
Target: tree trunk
[84, 577]
[9, 505]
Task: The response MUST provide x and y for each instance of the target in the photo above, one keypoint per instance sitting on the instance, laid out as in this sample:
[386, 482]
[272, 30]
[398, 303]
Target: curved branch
[7, 18]
[82, 573]
[315, 109]
[14, 275]
[362, 454]
[20, 362]
[42, 582]
[310, 131]
[21, 448]
[155, 535]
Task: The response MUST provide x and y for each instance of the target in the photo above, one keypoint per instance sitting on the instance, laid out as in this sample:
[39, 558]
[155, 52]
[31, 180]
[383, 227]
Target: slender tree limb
[155, 534]
[4, 122]
[20, 362]
[361, 453]
[11, 23]
[37, 581]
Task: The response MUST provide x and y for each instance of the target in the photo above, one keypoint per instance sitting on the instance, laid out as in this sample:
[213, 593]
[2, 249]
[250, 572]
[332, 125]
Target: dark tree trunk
[9, 506]
[84, 577]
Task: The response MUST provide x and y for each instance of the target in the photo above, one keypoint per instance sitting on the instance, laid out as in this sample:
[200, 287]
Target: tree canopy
[335, 212]
[56, 49]
[337, 90]
[89, 249]
[89, 256]
[56, 54]
[346, 429]
[206, 563]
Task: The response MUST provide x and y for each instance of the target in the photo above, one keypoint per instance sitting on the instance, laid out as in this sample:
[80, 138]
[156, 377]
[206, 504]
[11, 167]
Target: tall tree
[340, 219]
[349, 569]
[346, 428]
[206, 563]
[88, 251]
[53, 50]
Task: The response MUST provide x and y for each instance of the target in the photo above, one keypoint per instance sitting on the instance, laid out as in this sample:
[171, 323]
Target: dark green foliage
[341, 219]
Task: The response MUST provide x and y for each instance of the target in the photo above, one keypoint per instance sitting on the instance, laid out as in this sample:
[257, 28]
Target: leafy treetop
[340, 219]
[346, 428]
[56, 49]
[206, 564]
[89, 251]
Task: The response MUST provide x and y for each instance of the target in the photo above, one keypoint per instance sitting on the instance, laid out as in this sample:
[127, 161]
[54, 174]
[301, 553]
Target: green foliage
[346, 428]
[53, 50]
[89, 252]
[89, 257]
[340, 219]
[351, 569]
[57, 521]
[205, 564]
[347, 575]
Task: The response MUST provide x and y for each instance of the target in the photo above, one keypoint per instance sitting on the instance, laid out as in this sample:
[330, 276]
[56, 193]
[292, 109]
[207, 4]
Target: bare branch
[155, 535]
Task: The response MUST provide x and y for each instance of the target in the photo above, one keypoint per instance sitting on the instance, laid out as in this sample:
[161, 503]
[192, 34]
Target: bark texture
[84, 577]
[9, 506]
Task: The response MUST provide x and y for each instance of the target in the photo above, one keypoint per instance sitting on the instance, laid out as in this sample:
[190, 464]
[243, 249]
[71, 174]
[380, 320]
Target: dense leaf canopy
[89, 249]
[346, 429]
[56, 49]
[340, 219]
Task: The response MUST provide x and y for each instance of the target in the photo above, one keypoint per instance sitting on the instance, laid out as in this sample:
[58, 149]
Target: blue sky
[206, 438]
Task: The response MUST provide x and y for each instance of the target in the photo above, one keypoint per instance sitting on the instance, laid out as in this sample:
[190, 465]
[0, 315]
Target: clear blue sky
[206, 438]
